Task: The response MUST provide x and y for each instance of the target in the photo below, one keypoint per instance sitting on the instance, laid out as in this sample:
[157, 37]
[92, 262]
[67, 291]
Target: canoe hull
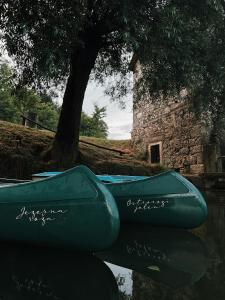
[167, 199]
[69, 210]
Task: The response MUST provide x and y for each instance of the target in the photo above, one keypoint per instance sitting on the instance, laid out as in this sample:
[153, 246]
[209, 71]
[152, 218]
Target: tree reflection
[32, 273]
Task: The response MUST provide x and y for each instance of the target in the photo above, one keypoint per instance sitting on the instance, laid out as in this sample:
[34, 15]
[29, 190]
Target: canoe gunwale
[79, 201]
[188, 185]
[162, 196]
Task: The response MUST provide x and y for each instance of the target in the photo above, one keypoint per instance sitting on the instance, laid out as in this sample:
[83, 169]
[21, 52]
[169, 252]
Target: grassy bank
[21, 150]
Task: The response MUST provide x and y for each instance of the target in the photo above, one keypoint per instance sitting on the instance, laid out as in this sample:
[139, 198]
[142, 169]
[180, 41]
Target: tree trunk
[66, 143]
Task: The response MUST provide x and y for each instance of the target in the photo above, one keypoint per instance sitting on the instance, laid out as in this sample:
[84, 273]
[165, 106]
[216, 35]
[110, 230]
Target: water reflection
[166, 264]
[40, 273]
[165, 255]
[208, 285]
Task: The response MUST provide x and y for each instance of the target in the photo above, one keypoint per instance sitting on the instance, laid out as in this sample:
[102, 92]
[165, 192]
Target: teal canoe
[41, 273]
[173, 257]
[73, 209]
[166, 199]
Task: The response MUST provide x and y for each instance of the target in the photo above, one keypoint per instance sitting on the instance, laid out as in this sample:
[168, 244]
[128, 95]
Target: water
[175, 265]
[145, 263]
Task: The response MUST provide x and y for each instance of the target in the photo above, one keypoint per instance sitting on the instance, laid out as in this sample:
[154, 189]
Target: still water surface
[145, 263]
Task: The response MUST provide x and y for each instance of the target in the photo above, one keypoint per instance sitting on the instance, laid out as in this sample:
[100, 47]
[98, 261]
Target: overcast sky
[118, 120]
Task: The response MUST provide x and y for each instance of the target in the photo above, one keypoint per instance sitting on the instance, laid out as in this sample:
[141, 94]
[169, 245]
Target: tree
[100, 128]
[15, 101]
[48, 114]
[94, 126]
[27, 100]
[7, 107]
[176, 41]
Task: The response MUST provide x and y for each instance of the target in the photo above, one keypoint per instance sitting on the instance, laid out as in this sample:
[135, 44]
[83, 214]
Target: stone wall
[192, 145]
[175, 127]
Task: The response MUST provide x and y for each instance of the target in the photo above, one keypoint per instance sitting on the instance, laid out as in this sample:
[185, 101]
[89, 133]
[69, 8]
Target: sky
[119, 120]
[125, 275]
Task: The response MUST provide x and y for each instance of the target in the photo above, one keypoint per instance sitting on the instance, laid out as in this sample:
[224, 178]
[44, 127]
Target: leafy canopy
[179, 43]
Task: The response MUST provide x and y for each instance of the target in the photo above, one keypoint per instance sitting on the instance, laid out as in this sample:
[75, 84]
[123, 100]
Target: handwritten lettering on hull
[36, 286]
[43, 216]
[140, 205]
[146, 250]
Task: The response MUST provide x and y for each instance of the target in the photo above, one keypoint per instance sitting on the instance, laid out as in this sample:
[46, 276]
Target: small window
[155, 153]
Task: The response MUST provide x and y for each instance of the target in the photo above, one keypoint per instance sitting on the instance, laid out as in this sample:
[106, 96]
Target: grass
[21, 151]
[124, 145]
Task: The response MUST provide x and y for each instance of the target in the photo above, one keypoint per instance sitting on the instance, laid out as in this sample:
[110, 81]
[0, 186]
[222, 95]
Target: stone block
[166, 110]
[139, 115]
[196, 149]
[193, 160]
[197, 169]
[200, 159]
[184, 151]
[195, 132]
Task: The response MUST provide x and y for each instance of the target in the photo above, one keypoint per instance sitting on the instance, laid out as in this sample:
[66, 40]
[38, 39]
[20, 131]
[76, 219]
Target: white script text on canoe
[43, 215]
[140, 204]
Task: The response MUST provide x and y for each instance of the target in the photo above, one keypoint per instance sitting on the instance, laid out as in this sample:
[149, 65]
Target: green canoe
[168, 255]
[41, 273]
[167, 199]
[73, 209]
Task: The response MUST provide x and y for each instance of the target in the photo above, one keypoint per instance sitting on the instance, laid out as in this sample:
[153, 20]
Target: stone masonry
[170, 127]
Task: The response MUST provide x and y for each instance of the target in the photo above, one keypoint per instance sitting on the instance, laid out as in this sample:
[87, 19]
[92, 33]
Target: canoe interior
[104, 178]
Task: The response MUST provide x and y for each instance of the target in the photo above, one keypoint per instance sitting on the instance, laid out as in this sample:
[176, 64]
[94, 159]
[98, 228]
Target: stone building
[169, 133]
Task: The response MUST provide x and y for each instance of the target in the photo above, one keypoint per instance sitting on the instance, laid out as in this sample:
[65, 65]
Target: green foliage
[29, 101]
[15, 102]
[48, 115]
[185, 51]
[7, 107]
[180, 43]
[26, 100]
[94, 126]
[141, 154]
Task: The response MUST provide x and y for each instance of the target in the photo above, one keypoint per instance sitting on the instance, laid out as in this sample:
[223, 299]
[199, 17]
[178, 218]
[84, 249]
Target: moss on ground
[21, 151]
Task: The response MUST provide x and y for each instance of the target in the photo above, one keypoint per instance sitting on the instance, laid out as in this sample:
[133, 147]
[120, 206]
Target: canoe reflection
[173, 257]
[40, 273]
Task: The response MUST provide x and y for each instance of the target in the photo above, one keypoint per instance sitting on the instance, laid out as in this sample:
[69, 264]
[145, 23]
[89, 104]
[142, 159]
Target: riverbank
[22, 148]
